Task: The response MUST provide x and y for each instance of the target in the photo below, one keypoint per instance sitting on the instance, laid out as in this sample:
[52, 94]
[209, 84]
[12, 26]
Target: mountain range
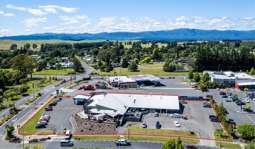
[176, 34]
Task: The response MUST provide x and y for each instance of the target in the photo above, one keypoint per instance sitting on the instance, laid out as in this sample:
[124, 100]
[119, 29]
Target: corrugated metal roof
[121, 102]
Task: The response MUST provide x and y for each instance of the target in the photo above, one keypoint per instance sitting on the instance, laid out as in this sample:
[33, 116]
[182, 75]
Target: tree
[132, 66]
[13, 46]
[252, 71]
[34, 46]
[196, 77]
[27, 46]
[24, 63]
[246, 131]
[124, 63]
[191, 75]
[77, 65]
[156, 54]
[169, 67]
[203, 87]
[173, 144]
[205, 77]
[250, 145]
[146, 60]
[9, 130]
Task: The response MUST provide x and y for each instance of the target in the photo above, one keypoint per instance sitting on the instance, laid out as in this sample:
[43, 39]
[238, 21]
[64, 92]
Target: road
[56, 145]
[46, 93]
[135, 145]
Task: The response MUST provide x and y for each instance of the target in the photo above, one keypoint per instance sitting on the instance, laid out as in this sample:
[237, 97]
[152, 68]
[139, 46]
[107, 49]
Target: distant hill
[176, 34]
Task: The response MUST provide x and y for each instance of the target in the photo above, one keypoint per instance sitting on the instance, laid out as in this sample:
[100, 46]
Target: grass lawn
[55, 72]
[38, 84]
[220, 135]
[160, 134]
[29, 127]
[131, 138]
[96, 137]
[155, 69]
[228, 145]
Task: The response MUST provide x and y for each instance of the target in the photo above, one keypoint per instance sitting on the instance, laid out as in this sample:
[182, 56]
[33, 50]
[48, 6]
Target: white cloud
[43, 10]
[36, 12]
[31, 23]
[81, 24]
[55, 8]
[70, 24]
[5, 14]
[4, 32]
[10, 6]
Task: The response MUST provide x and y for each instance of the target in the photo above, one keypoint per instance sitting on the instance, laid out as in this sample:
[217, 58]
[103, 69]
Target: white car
[177, 124]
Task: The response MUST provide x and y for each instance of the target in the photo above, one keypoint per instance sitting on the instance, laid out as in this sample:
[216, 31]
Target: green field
[160, 135]
[131, 138]
[155, 69]
[5, 44]
[228, 145]
[55, 72]
[36, 85]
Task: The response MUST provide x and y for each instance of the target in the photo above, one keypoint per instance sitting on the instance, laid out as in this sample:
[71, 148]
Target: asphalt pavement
[134, 145]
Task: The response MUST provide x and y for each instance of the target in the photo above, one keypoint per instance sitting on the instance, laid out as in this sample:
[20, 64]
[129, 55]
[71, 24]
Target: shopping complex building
[134, 81]
[132, 105]
[239, 80]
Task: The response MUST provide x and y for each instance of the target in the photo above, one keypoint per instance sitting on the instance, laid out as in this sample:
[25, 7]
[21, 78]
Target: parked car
[231, 121]
[43, 122]
[49, 108]
[224, 96]
[234, 98]
[239, 102]
[177, 124]
[156, 115]
[122, 142]
[66, 143]
[39, 125]
[228, 100]
[25, 94]
[190, 147]
[206, 105]
[54, 103]
[222, 93]
[45, 116]
[213, 118]
[44, 119]
[158, 125]
[144, 125]
[176, 115]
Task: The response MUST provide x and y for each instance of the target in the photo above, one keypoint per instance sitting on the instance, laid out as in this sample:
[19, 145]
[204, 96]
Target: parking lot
[197, 120]
[61, 114]
[198, 116]
[235, 111]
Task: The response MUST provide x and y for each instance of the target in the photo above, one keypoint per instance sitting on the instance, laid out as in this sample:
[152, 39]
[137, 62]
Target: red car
[88, 87]
[49, 108]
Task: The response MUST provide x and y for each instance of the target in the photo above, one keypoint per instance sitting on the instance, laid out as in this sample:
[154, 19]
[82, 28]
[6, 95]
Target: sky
[22, 17]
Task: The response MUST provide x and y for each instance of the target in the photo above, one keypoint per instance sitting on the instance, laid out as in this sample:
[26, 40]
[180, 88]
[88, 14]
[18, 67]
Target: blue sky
[78, 16]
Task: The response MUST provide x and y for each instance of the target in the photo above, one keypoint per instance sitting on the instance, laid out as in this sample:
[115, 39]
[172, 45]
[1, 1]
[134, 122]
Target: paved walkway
[207, 142]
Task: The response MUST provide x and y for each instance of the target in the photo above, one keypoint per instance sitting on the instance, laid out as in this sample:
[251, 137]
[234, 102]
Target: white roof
[229, 73]
[244, 76]
[82, 97]
[118, 103]
[121, 79]
[145, 77]
[218, 76]
[246, 83]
